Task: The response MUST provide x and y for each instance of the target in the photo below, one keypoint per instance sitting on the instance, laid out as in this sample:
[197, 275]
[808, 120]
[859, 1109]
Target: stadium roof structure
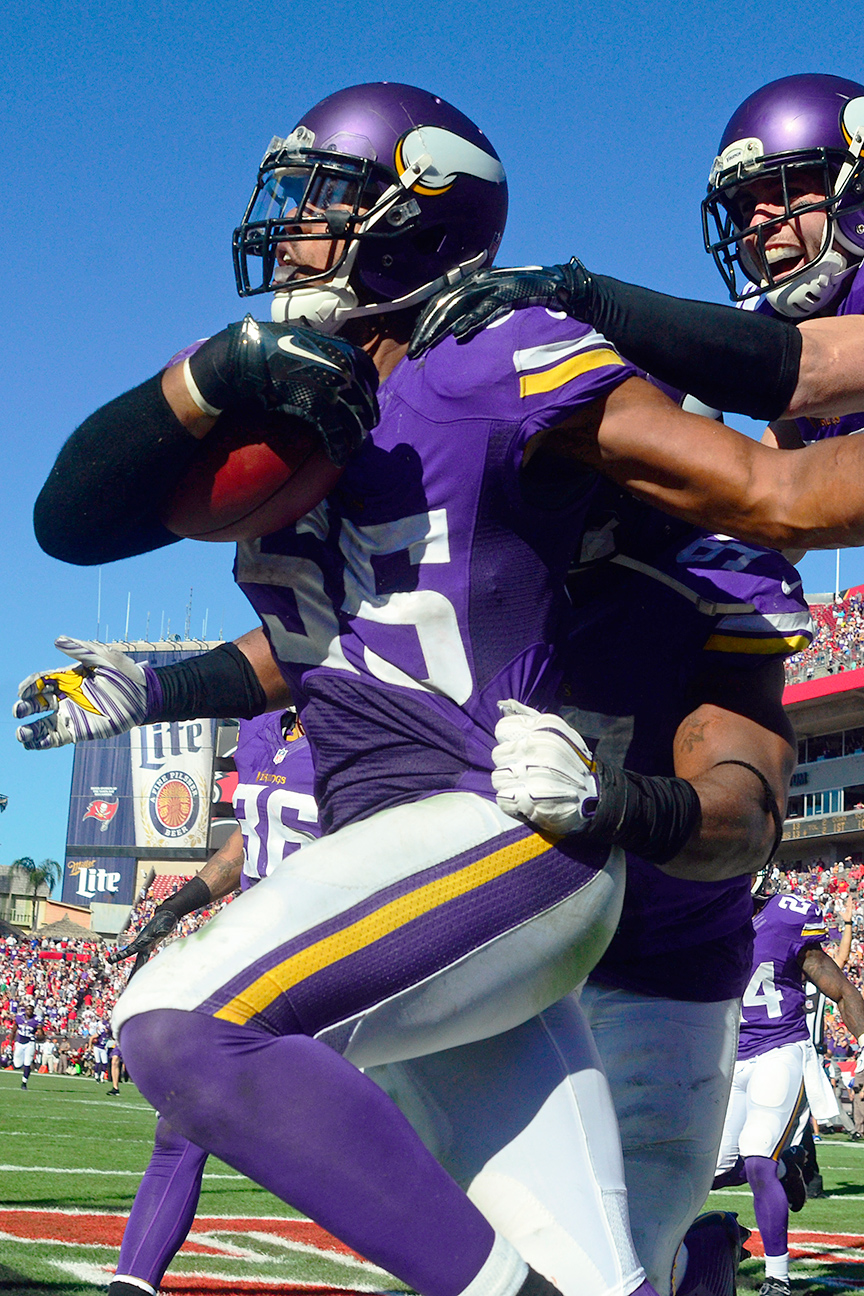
[66, 929]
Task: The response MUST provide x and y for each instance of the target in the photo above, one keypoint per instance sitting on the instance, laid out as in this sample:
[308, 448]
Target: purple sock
[298, 1119]
[645, 1289]
[164, 1207]
[730, 1178]
[769, 1203]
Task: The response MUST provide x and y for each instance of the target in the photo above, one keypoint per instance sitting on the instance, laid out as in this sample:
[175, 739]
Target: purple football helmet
[811, 123]
[410, 188]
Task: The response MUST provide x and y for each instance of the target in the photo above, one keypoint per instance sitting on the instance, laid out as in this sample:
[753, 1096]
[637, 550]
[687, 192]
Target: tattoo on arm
[690, 733]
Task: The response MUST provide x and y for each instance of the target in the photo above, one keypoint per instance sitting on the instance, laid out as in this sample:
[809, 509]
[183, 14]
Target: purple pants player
[645, 991]
[768, 1085]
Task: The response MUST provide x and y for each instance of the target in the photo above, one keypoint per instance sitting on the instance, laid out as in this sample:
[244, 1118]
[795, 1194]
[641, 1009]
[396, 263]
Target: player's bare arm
[221, 873]
[219, 877]
[729, 749]
[825, 974]
[714, 477]
[844, 948]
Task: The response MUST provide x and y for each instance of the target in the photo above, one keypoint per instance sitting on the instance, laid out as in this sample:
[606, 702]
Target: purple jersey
[667, 603]
[773, 1011]
[430, 583]
[819, 429]
[101, 1035]
[274, 801]
[27, 1028]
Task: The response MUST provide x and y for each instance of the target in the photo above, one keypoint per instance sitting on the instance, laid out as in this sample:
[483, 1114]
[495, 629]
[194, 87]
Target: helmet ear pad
[385, 268]
[849, 232]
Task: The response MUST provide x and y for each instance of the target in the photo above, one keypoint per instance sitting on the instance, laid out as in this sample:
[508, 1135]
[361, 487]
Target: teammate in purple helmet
[767, 1095]
[784, 221]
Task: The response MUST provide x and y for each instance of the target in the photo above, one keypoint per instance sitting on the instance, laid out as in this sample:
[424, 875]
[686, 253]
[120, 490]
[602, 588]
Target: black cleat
[23, 1084]
[774, 1287]
[536, 1285]
[714, 1247]
[815, 1188]
[793, 1180]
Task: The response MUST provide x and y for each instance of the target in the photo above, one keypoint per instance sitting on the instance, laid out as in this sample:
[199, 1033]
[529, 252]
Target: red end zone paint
[828, 1248]
[97, 1229]
[107, 1230]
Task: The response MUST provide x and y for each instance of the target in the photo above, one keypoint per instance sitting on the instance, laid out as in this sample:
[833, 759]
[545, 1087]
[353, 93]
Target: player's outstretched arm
[825, 974]
[729, 359]
[710, 475]
[737, 750]
[107, 694]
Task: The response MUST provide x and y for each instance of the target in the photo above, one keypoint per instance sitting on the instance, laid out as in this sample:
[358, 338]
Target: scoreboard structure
[156, 797]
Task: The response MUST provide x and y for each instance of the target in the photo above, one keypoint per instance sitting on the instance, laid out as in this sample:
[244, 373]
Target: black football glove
[325, 381]
[160, 925]
[488, 294]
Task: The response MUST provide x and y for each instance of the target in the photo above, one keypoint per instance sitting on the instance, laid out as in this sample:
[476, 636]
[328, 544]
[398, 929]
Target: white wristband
[192, 387]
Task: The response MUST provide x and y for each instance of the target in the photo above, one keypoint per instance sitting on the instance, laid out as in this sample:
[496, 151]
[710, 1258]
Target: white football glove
[543, 771]
[103, 695]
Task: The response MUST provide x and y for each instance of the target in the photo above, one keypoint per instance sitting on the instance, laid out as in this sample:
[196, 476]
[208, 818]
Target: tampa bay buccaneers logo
[104, 811]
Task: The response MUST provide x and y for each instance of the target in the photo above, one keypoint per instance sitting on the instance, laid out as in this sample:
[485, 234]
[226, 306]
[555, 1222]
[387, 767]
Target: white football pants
[764, 1105]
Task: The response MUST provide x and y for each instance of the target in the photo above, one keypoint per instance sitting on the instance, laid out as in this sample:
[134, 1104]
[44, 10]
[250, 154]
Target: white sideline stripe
[101, 1275]
[840, 1197]
[91, 1102]
[88, 1170]
[288, 1244]
[98, 1214]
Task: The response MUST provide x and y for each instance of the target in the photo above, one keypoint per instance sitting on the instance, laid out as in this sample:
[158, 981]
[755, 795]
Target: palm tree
[46, 873]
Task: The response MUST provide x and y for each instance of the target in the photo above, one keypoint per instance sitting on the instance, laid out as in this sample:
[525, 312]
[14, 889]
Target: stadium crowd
[72, 986]
[838, 644]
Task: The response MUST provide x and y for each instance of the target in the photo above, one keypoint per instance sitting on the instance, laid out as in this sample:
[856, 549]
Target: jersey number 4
[762, 992]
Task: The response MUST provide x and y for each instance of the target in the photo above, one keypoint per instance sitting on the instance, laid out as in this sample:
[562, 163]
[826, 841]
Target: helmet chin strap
[814, 289]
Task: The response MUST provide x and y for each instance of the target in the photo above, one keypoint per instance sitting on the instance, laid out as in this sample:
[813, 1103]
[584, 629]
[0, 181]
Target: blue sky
[132, 135]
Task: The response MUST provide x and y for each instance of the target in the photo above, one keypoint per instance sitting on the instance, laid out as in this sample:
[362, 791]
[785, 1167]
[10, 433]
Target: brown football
[250, 478]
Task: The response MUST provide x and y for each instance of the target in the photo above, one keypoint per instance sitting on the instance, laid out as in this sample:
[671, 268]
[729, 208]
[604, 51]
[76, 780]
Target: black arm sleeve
[731, 359]
[219, 684]
[103, 496]
[652, 816]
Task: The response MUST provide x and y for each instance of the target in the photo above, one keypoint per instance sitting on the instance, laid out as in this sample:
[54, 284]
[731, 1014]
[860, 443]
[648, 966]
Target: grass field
[71, 1159]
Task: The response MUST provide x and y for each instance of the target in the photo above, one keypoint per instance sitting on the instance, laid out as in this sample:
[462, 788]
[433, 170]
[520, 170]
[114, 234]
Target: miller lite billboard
[140, 795]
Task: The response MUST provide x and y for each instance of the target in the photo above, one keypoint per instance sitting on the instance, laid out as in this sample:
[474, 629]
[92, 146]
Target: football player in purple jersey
[768, 1086]
[784, 222]
[427, 590]
[25, 1028]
